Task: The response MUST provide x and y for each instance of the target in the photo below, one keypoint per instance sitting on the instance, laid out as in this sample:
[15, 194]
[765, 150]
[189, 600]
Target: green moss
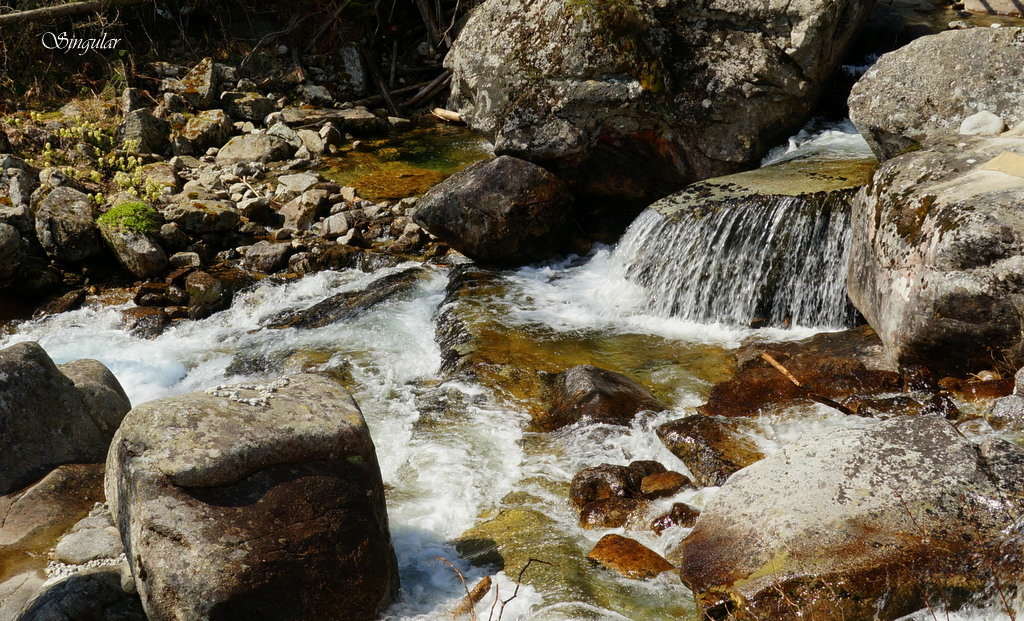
[134, 216]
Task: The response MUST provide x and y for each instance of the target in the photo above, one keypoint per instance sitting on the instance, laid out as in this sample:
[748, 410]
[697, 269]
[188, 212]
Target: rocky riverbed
[628, 332]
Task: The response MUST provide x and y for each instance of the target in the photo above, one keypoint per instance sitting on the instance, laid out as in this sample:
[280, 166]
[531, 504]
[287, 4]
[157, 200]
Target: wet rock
[599, 95]
[610, 512]
[628, 557]
[597, 394]
[711, 448]
[604, 481]
[10, 250]
[897, 107]
[980, 390]
[267, 257]
[661, 484]
[52, 415]
[647, 467]
[941, 227]
[65, 226]
[197, 482]
[209, 128]
[680, 515]
[141, 132]
[504, 211]
[821, 527]
[348, 305]
[96, 593]
[206, 294]
[255, 147]
[760, 385]
[861, 343]
[145, 321]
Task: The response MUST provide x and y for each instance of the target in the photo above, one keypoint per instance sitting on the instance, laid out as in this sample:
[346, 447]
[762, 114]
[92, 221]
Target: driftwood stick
[429, 91]
[810, 395]
[65, 10]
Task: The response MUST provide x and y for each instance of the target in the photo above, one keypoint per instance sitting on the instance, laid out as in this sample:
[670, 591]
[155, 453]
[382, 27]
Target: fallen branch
[431, 90]
[65, 10]
[810, 395]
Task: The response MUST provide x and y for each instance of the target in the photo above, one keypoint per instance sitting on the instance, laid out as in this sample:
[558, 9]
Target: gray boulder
[249, 106]
[141, 132]
[267, 257]
[254, 501]
[199, 86]
[65, 225]
[898, 105]
[256, 148]
[936, 254]
[10, 250]
[202, 215]
[301, 212]
[629, 101]
[206, 129]
[504, 211]
[867, 523]
[53, 416]
[138, 252]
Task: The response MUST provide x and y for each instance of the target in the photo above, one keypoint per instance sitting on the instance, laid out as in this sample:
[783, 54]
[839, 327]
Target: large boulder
[10, 251]
[857, 524]
[504, 211]
[936, 254]
[209, 128]
[253, 501]
[65, 226]
[141, 132]
[53, 415]
[598, 394]
[925, 90]
[629, 101]
[256, 147]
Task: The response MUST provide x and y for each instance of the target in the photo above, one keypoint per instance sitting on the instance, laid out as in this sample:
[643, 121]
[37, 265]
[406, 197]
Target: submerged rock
[712, 448]
[504, 211]
[630, 101]
[596, 394]
[856, 523]
[935, 259]
[53, 415]
[898, 106]
[253, 501]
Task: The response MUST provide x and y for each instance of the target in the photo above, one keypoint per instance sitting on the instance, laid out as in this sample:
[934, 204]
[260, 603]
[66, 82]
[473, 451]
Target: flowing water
[455, 454]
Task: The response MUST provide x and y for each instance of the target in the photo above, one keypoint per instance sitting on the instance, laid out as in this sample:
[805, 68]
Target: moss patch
[137, 217]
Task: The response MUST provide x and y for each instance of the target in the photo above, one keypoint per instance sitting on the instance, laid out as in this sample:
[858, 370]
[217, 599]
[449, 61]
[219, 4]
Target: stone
[141, 132]
[712, 449]
[203, 215]
[249, 106]
[138, 252]
[312, 140]
[630, 102]
[255, 147]
[185, 259]
[316, 94]
[199, 85]
[602, 482]
[145, 321]
[358, 120]
[935, 257]
[1007, 162]
[610, 512]
[267, 257]
[256, 209]
[206, 295]
[301, 212]
[872, 523]
[897, 107]
[297, 183]
[160, 178]
[53, 416]
[10, 251]
[661, 484]
[982, 123]
[334, 226]
[65, 225]
[196, 483]
[96, 593]
[89, 544]
[600, 395]
[504, 211]
[628, 557]
[209, 128]
[680, 515]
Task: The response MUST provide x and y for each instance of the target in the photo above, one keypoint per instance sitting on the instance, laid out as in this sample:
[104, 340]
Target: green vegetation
[134, 216]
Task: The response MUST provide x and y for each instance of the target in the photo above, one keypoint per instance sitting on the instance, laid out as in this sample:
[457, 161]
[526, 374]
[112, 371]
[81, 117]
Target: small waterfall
[749, 249]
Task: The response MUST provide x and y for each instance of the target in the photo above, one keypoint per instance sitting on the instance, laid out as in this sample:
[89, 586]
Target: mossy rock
[137, 217]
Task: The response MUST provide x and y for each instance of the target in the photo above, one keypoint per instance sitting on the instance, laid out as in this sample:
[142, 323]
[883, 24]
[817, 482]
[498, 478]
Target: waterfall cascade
[765, 247]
